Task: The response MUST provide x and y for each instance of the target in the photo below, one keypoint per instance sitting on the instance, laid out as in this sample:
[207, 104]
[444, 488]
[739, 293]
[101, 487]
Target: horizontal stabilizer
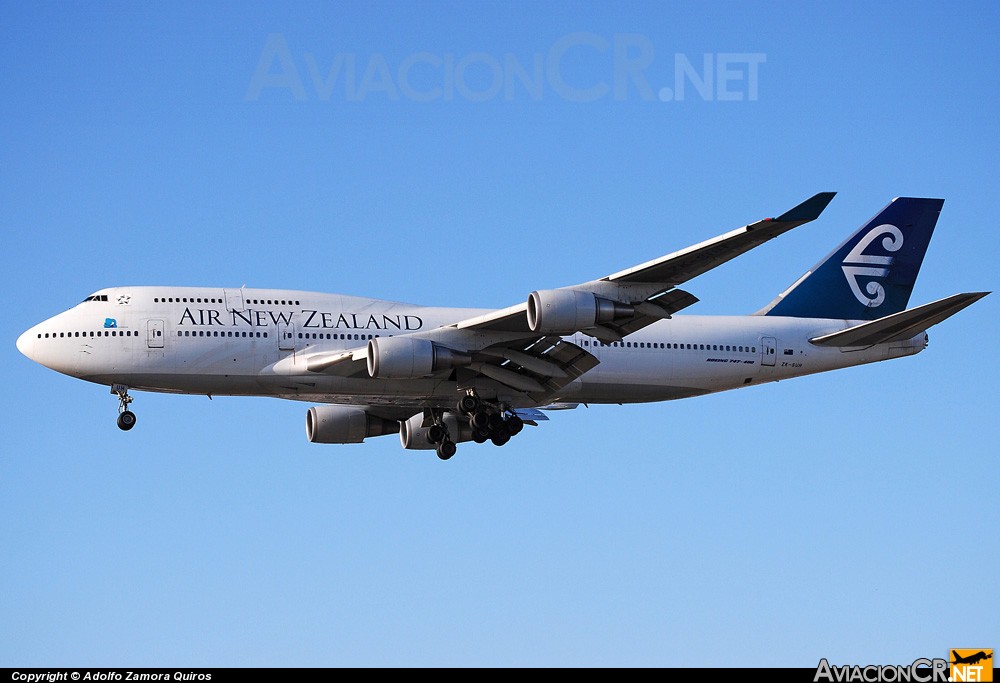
[531, 414]
[902, 325]
[560, 406]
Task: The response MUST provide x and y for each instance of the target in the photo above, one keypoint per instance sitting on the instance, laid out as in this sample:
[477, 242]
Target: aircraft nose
[26, 343]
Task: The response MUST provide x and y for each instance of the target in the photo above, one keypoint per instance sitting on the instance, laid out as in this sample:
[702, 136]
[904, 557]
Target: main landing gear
[486, 422]
[126, 418]
[438, 434]
[495, 427]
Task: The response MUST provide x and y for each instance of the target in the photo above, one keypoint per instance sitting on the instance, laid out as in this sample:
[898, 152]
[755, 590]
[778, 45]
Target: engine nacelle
[565, 311]
[408, 358]
[345, 424]
[414, 437]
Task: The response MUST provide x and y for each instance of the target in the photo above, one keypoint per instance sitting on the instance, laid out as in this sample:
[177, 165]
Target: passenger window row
[273, 302]
[222, 333]
[328, 335]
[210, 300]
[91, 333]
[671, 345]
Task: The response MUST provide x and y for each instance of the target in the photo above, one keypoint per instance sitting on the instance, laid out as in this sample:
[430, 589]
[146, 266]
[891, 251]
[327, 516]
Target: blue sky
[846, 515]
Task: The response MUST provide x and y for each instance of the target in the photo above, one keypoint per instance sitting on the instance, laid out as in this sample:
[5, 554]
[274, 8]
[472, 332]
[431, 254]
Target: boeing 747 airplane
[442, 376]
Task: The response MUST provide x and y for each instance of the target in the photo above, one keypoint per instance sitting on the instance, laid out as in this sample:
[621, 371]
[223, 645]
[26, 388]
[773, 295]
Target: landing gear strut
[438, 434]
[126, 418]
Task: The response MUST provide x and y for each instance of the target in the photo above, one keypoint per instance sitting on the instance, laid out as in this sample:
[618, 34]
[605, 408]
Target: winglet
[809, 210]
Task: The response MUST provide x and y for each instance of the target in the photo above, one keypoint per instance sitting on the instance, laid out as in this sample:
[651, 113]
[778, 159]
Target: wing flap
[540, 367]
[511, 378]
[902, 325]
[534, 363]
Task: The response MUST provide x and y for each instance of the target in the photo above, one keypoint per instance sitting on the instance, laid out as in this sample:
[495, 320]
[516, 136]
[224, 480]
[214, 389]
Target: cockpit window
[96, 297]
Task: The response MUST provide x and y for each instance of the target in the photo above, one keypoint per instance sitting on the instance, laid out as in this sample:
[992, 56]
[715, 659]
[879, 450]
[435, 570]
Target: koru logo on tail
[861, 265]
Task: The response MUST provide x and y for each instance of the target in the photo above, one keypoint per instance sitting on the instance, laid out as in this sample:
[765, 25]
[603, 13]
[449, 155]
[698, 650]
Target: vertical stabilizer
[871, 275]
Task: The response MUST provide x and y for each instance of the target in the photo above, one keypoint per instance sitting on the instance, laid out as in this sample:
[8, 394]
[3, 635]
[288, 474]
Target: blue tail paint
[871, 274]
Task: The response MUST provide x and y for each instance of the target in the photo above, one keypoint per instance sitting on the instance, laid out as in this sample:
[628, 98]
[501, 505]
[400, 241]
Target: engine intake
[408, 358]
[414, 437]
[565, 311]
[345, 424]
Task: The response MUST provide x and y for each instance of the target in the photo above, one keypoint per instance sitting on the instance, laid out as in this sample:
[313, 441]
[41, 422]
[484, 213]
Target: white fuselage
[257, 342]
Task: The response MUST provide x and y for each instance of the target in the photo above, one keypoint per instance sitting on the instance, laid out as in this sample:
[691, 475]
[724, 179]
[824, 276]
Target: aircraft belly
[625, 392]
[217, 385]
[647, 375]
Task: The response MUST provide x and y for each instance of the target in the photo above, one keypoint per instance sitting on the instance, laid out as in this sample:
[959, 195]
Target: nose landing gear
[126, 418]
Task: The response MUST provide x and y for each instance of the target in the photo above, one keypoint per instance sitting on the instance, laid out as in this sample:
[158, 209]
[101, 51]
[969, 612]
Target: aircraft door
[154, 334]
[286, 336]
[234, 299]
[768, 350]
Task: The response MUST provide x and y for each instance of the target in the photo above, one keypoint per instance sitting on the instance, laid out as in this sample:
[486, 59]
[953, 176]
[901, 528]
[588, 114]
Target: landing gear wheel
[480, 437]
[514, 425]
[496, 423]
[468, 404]
[126, 420]
[481, 420]
[446, 449]
[436, 433]
[500, 439]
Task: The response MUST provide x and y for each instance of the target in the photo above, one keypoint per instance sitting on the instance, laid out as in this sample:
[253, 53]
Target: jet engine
[565, 311]
[414, 437]
[345, 424]
[409, 358]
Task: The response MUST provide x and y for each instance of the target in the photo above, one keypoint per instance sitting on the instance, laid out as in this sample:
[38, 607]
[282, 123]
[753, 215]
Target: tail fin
[871, 274]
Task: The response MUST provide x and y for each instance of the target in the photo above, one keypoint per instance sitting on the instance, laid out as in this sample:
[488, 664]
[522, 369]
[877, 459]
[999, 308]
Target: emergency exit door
[154, 334]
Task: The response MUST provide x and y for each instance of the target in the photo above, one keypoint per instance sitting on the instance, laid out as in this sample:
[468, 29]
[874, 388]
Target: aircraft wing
[504, 353]
[537, 367]
[349, 363]
[685, 264]
[902, 325]
[649, 288]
